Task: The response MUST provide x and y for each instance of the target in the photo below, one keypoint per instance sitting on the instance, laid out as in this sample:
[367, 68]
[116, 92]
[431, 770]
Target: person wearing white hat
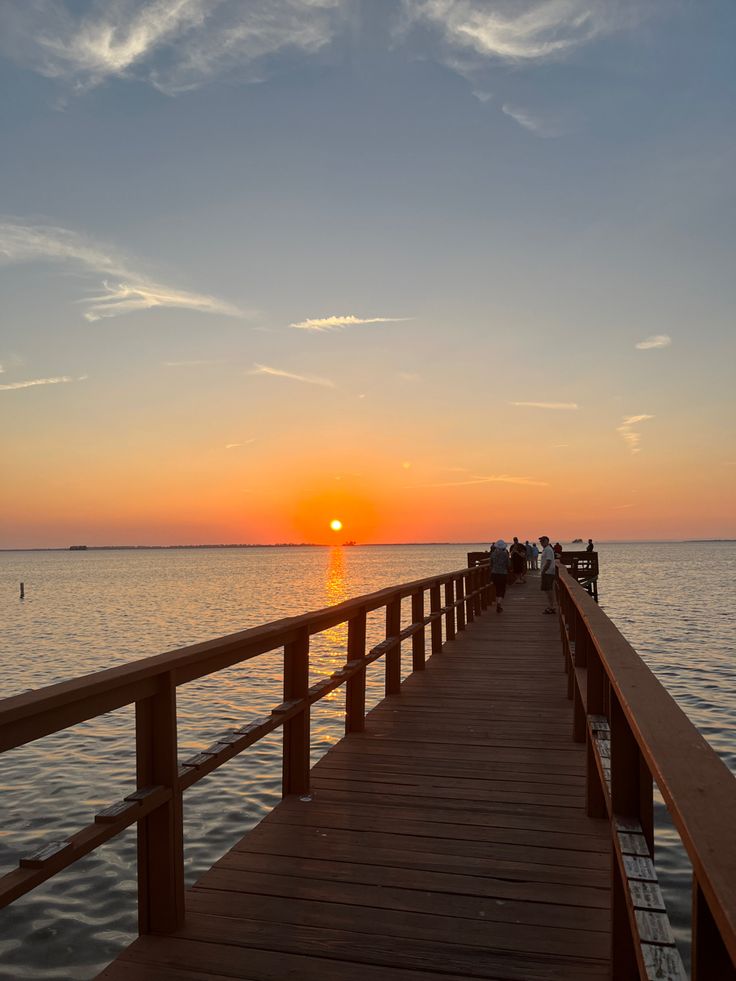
[499, 572]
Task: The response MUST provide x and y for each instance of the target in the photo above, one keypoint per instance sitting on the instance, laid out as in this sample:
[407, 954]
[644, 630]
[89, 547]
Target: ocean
[84, 611]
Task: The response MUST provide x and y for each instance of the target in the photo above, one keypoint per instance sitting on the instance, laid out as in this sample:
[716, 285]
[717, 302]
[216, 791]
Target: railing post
[631, 797]
[161, 833]
[460, 594]
[355, 686]
[594, 796]
[469, 600]
[580, 711]
[435, 605]
[450, 615]
[481, 586]
[477, 589]
[393, 657]
[296, 730]
[710, 958]
[417, 639]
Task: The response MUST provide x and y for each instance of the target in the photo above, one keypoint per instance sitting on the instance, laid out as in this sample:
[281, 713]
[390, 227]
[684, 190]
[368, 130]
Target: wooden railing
[150, 684]
[636, 734]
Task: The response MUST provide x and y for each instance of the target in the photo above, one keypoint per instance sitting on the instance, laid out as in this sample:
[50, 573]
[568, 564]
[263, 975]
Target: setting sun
[336, 525]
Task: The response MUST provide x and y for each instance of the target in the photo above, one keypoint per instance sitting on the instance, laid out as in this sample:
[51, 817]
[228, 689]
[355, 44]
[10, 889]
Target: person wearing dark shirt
[558, 549]
[518, 560]
[590, 546]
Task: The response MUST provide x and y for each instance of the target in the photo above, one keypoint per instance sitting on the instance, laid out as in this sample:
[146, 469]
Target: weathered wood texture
[447, 840]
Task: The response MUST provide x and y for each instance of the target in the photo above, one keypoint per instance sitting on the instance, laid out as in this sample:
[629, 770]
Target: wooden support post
[710, 958]
[435, 605]
[595, 800]
[417, 639]
[460, 595]
[631, 797]
[469, 601]
[483, 587]
[393, 657]
[355, 686]
[160, 834]
[295, 778]
[450, 615]
[580, 710]
[22, 590]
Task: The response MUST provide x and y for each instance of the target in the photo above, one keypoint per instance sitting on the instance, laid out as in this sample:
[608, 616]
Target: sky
[444, 270]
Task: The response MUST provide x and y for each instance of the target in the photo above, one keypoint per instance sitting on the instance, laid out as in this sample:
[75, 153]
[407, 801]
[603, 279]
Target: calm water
[91, 610]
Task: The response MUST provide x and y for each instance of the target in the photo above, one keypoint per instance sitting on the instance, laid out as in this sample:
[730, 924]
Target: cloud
[544, 128]
[174, 45]
[408, 376]
[31, 383]
[123, 289]
[502, 478]
[548, 405]
[520, 30]
[264, 369]
[632, 438]
[246, 442]
[657, 340]
[338, 323]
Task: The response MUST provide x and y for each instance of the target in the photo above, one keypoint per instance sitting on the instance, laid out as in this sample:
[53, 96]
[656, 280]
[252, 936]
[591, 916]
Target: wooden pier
[490, 818]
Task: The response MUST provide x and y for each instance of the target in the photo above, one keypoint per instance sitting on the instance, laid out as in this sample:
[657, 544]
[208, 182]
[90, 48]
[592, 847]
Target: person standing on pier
[499, 571]
[590, 546]
[548, 573]
[535, 557]
[518, 560]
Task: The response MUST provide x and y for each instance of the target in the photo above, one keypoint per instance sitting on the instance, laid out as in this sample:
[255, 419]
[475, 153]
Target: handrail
[150, 684]
[651, 738]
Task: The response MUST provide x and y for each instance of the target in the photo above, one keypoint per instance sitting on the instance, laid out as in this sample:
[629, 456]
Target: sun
[336, 524]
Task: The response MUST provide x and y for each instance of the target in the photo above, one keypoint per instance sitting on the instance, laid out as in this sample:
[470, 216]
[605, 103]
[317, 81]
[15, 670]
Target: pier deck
[448, 840]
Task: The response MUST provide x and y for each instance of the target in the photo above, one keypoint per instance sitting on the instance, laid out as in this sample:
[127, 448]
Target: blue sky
[495, 202]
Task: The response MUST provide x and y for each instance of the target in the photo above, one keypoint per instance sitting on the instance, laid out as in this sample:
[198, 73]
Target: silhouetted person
[499, 571]
[558, 549]
[590, 547]
[518, 560]
[548, 573]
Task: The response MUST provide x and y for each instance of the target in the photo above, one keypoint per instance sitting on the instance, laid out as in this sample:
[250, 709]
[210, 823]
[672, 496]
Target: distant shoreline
[159, 548]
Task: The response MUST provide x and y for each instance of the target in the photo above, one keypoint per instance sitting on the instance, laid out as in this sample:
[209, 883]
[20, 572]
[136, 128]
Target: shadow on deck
[449, 840]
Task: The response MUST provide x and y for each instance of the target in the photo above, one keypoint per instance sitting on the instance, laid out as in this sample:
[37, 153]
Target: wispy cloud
[523, 30]
[630, 436]
[656, 340]
[32, 382]
[548, 405]
[502, 478]
[339, 323]
[175, 45]
[621, 507]
[408, 376]
[123, 289]
[234, 446]
[544, 128]
[264, 369]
